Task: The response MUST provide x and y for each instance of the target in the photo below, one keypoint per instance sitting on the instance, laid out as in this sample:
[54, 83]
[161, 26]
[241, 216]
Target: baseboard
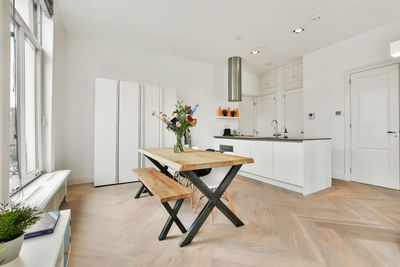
[340, 177]
[75, 181]
[291, 187]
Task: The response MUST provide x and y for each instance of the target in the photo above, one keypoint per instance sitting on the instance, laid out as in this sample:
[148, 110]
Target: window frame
[23, 32]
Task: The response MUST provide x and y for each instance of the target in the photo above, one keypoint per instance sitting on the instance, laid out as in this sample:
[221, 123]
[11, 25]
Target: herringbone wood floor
[350, 224]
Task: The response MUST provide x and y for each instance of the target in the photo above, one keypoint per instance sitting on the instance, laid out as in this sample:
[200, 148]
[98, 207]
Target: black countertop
[266, 138]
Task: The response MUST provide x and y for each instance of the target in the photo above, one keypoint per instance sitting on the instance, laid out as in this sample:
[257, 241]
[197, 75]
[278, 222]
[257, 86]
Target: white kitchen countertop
[270, 138]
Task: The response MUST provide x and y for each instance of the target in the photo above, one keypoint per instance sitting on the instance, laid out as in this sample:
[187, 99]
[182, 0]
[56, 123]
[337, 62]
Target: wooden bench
[165, 189]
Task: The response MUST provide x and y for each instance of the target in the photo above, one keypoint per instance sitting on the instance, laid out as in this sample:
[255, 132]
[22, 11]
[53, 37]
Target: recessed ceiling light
[255, 52]
[316, 17]
[298, 30]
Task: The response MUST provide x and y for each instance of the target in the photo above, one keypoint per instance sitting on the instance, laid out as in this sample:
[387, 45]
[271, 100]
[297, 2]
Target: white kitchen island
[299, 164]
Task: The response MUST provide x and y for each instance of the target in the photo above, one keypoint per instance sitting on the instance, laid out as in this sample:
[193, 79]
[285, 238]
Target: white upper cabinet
[292, 76]
[298, 72]
[288, 74]
[267, 83]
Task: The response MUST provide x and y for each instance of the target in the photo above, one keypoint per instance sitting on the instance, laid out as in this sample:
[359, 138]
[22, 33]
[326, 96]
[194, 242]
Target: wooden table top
[193, 159]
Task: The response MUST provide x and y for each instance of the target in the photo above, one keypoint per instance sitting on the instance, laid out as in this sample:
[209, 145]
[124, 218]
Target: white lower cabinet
[242, 149]
[263, 153]
[288, 164]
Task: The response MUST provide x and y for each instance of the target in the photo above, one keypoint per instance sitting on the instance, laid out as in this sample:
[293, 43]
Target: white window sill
[40, 192]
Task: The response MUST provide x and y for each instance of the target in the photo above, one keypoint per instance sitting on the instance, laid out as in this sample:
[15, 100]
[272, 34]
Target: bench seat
[163, 187]
[166, 189]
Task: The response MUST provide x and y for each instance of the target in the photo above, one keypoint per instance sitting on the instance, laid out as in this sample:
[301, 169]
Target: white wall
[4, 98]
[87, 58]
[324, 83]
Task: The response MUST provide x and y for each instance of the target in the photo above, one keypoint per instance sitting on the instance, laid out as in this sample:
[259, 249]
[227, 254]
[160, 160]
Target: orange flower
[193, 122]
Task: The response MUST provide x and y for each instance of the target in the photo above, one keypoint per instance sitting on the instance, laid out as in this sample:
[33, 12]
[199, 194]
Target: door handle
[391, 132]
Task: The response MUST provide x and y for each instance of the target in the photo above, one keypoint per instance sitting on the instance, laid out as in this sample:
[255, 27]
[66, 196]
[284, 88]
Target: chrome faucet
[275, 124]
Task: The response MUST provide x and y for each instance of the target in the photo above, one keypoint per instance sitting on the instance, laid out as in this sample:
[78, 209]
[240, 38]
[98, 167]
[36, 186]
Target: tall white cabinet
[128, 130]
[105, 132]
[124, 123]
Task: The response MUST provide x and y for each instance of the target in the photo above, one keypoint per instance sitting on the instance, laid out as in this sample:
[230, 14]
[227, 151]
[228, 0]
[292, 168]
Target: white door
[246, 110]
[293, 106]
[375, 126]
[265, 113]
[129, 130]
[150, 124]
[105, 132]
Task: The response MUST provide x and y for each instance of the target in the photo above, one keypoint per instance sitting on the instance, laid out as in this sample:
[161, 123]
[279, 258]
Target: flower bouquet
[179, 122]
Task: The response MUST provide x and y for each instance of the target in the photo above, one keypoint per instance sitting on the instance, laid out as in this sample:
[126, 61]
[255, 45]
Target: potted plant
[233, 112]
[14, 221]
[179, 122]
[224, 112]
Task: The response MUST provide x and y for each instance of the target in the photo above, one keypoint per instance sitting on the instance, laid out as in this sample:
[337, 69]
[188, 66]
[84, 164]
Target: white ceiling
[206, 30]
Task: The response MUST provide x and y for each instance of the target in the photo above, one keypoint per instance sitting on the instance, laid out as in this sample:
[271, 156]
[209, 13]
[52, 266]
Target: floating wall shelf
[226, 117]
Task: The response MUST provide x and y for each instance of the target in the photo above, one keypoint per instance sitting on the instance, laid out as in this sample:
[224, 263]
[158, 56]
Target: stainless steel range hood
[235, 79]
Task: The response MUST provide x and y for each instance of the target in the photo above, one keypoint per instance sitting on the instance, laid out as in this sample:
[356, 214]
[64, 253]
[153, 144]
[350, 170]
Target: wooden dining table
[189, 161]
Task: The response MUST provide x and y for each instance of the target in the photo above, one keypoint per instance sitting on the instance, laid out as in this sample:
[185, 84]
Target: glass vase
[178, 147]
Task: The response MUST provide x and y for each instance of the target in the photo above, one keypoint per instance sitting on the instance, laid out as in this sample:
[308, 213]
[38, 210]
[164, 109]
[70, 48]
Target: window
[25, 112]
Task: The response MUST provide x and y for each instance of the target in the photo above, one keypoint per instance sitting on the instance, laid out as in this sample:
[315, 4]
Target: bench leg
[172, 218]
[142, 189]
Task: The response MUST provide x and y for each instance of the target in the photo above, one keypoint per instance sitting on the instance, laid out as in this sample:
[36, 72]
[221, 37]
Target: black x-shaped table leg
[214, 200]
[172, 218]
[163, 169]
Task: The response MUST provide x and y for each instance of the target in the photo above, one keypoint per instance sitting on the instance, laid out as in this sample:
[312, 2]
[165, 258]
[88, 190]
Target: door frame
[347, 108]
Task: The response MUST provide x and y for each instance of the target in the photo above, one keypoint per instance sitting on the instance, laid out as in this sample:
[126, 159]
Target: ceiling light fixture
[395, 49]
[255, 52]
[298, 30]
